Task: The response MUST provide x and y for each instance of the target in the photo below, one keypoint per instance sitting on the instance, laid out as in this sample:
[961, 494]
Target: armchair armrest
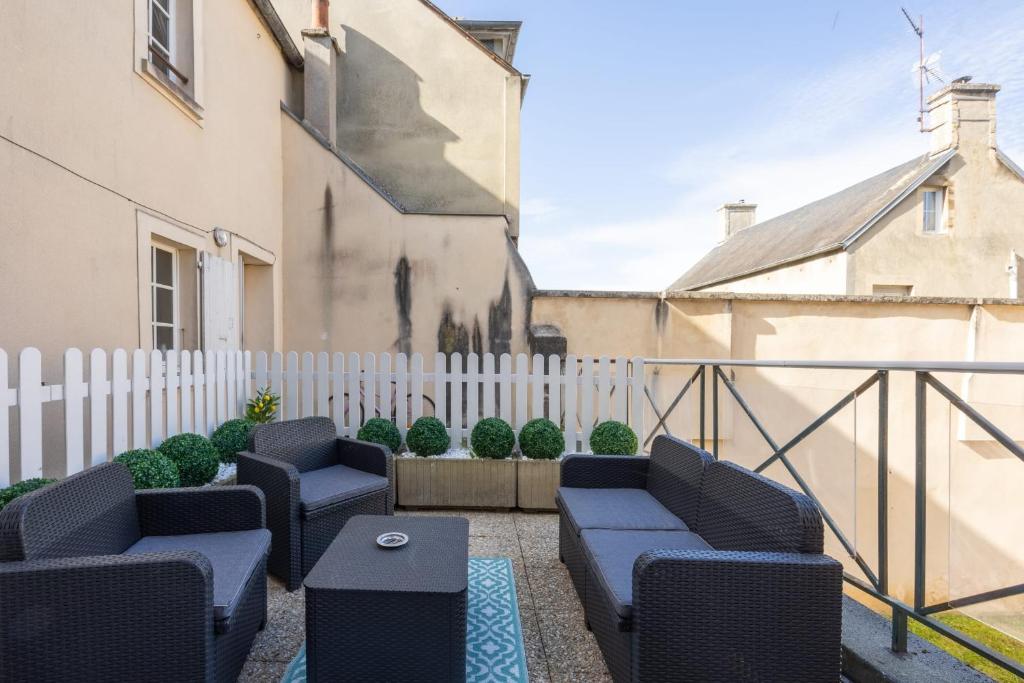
[279, 482]
[109, 617]
[604, 471]
[165, 512]
[747, 615]
[369, 457]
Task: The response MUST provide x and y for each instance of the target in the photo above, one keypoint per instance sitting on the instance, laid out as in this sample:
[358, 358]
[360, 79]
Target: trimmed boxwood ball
[613, 438]
[493, 438]
[540, 439]
[195, 457]
[427, 436]
[150, 469]
[231, 437]
[384, 432]
[21, 488]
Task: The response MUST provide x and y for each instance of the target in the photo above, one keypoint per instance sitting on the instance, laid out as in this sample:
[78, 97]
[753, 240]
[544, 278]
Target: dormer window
[933, 217]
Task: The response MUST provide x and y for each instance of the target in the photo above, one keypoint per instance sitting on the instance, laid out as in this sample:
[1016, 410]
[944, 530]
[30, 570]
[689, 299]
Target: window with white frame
[164, 287]
[168, 49]
[161, 34]
[933, 211]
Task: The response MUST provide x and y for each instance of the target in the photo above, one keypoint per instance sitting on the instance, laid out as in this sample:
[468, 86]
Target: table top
[435, 560]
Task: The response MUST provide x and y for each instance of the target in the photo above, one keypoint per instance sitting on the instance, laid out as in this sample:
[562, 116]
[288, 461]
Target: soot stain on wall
[327, 263]
[499, 321]
[403, 300]
[451, 336]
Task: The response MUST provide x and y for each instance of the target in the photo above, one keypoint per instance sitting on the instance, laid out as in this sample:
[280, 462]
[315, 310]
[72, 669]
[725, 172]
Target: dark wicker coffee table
[398, 614]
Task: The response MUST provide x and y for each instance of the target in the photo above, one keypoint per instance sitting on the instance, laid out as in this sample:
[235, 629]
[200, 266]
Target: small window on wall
[168, 49]
[933, 216]
[164, 286]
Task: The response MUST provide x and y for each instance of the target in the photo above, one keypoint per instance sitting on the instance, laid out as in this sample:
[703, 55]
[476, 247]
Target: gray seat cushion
[234, 556]
[323, 487]
[611, 553]
[616, 509]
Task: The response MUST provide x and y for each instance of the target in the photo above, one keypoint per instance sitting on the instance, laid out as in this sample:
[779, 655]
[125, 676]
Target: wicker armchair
[314, 482]
[99, 582]
[690, 569]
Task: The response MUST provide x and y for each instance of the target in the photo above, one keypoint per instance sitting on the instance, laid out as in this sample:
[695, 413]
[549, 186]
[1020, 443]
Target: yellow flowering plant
[262, 408]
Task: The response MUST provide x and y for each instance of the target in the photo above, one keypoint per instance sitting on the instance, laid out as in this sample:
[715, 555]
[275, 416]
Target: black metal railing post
[702, 401]
[883, 481]
[714, 411]
[920, 485]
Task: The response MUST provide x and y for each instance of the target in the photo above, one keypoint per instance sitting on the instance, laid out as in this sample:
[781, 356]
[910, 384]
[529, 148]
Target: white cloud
[823, 134]
[537, 207]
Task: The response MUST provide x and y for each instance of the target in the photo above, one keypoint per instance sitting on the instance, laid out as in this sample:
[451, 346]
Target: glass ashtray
[392, 539]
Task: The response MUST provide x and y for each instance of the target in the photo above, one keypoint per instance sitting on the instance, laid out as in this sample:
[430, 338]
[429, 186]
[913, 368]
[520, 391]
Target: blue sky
[643, 117]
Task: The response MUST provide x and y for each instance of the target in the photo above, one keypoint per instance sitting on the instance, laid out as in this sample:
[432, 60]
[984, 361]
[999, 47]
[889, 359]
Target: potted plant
[542, 444]
[435, 475]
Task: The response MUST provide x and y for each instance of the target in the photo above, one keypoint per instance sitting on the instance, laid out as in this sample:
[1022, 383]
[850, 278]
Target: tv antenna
[926, 69]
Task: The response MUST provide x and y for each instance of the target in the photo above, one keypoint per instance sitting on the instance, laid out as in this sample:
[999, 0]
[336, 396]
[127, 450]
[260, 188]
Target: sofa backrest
[674, 475]
[89, 513]
[308, 443]
[742, 510]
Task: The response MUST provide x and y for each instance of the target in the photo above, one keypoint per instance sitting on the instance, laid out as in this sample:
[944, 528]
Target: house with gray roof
[947, 223]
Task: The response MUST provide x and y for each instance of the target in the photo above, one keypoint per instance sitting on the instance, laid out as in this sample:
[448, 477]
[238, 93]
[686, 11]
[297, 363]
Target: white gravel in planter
[224, 472]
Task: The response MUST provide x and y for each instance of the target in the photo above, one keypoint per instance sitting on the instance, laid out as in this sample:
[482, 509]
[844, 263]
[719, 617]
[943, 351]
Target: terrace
[878, 522]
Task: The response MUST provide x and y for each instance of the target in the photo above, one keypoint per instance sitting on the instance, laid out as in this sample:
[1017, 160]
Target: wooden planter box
[430, 482]
[538, 483]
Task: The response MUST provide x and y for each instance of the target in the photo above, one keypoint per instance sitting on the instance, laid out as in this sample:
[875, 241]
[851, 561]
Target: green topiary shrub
[231, 437]
[195, 457]
[613, 438]
[540, 439]
[150, 469]
[427, 436]
[21, 488]
[492, 437]
[384, 432]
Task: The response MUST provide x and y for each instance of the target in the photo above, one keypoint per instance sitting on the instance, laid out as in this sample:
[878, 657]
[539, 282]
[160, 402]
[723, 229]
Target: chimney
[963, 115]
[320, 79]
[736, 216]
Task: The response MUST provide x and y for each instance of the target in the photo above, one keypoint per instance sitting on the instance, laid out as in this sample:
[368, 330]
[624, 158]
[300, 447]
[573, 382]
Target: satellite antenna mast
[921, 68]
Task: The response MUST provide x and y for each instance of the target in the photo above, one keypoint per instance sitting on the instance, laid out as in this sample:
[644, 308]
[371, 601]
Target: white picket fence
[137, 399]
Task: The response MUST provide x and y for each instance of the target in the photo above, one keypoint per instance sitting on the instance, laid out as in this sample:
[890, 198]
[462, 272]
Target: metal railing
[877, 583]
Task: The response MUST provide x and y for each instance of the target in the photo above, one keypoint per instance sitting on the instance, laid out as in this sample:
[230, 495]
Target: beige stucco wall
[823, 275]
[973, 536]
[986, 220]
[94, 153]
[426, 111]
[360, 275]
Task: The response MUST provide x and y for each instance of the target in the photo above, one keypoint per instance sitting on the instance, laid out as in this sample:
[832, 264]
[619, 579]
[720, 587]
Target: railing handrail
[892, 365]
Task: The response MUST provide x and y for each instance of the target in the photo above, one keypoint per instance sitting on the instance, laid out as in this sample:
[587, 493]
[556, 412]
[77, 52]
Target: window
[933, 218]
[168, 50]
[164, 286]
[161, 44]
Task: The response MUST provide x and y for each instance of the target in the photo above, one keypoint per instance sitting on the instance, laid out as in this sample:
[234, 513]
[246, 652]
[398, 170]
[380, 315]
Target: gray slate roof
[822, 226]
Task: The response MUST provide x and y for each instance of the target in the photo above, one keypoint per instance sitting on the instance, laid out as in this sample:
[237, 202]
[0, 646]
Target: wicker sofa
[314, 482]
[690, 569]
[99, 582]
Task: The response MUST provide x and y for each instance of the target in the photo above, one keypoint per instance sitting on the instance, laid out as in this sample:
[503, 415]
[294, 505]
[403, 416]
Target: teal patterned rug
[494, 636]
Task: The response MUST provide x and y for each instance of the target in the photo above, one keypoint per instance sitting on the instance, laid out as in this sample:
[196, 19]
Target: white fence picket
[187, 392]
[277, 379]
[198, 392]
[505, 387]
[74, 398]
[30, 412]
[621, 389]
[554, 378]
[306, 382]
[99, 389]
[537, 387]
[172, 393]
[231, 387]
[323, 384]
[119, 400]
[338, 392]
[354, 419]
[455, 373]
[636, 392]
[156, 398]
[138, 391]
[522, 390]
[291, 392]
[260, 374]
[384, 385]
[603, 388]
[212, 392]
[222, 392]
[569, 402]
[402, 393]
[440, 389]
[487, 381]
[472, 391]
[5, 429]
[587, 400]
[369, 382]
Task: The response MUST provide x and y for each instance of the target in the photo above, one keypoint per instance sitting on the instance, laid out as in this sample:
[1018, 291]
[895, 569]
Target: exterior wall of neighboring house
[973, 540]
[984, 216]
[822, 275]
[428, 113]
[360, 275]
[102, 157]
